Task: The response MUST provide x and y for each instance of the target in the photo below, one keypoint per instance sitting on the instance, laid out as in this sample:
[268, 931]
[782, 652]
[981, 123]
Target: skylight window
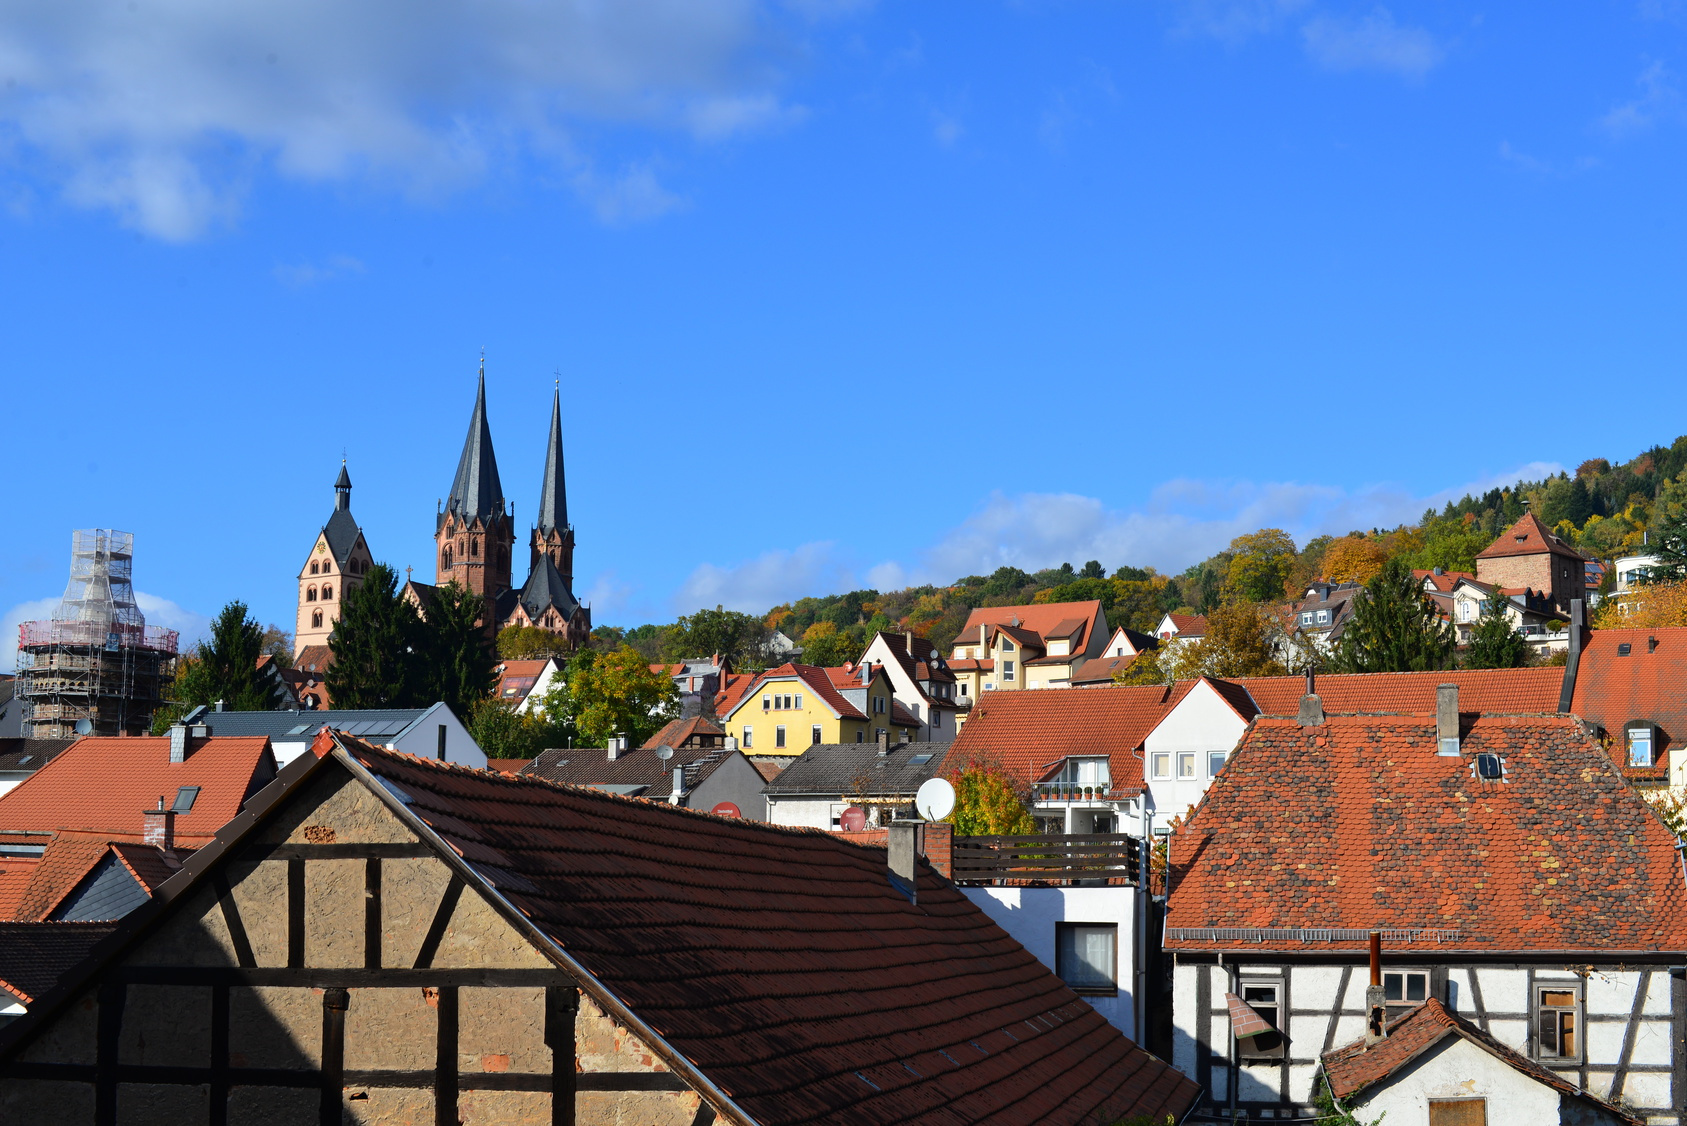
[185, 797]
[1624, 649]
[1489, 768]
[919, 760]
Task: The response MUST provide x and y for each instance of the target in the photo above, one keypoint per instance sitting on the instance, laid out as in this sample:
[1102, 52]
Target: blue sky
[839, 293]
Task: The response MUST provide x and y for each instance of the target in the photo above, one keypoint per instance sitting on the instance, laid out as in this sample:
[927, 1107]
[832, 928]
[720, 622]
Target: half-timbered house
[383, 938]
[1513, 874]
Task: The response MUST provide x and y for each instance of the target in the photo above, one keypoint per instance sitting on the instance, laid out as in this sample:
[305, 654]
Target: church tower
[554, 536]
[475, 534]
[336, 564]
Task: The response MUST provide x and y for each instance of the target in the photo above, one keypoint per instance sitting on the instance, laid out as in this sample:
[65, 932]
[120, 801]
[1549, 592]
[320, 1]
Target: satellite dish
[726, 809]
[664, 752]
[935, 799]
[853, 819]
[84, 726]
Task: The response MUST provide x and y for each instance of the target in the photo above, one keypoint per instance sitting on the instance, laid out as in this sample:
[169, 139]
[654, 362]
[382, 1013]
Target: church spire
[342, 489]
[553, 490]
[476, 490]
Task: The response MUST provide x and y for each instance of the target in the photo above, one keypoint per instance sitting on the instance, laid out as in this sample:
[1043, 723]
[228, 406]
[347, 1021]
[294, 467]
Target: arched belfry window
[310, 594]
[316, 619]
[474, 547]
[327, 593]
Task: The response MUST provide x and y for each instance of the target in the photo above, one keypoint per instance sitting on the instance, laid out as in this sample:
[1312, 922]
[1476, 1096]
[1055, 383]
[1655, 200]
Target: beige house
[337, 562]
[1036, 646]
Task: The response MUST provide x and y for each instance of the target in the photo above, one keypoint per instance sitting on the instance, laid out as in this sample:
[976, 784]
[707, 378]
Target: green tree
[503, 732]
[457, 665]
[1395, 627]
[609, 693]
[228, 664]
[1093, 570]
[530, 643]
[376, 646]
[1669, 546]
[1494, 643]
[827, 646]
[739, 637]
[1260, 564]
[989, 803]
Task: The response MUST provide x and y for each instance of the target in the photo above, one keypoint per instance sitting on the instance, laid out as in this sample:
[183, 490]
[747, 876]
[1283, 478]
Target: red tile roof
[1480, 690]
[507, 765]
[1445, 581]
[1189, 625]
[1359, 824]
[1034, 621]
[732, 689]
[1529, 537]
[103, 784]
[679, 732]
[1353, 1068]
[1101, 670]
[1649, 683]
[785, 966]
[1028, 733]
[820, 681]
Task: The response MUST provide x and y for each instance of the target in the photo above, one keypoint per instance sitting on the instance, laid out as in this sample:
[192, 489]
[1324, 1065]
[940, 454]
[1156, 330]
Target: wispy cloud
[1535, 166]
[632, 196]
[1234, 21]
[13, 618]
[1371, 42]
[946, 128]
[1659, 100]
[310, 273]
[165, 113]
[1184, 522]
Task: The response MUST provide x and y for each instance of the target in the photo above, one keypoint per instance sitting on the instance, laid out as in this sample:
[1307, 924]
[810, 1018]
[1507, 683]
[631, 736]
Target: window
[1323, 617]
[1640, 746]
[1085, 772]
[185, 796]
[749, 740]
[1007, 646]
[1489, 768]
[474, 548]
[1007, 670]
[310, 594]
[445, 559]
[327, 565]
[779, 736]
[1458, 1112]
[327, 592]
[316, 619]
[921, 759]
[1306, 618]
[1557, 1024]
[1215, 762]
[1404, 990]
[767, 703]
[313, 568]
[798, 704]
[1162, 764]
[861, 736]
[1266, 999]
[1464, 610]
[1186, 764]
[936, 719]
[1086, 956]
[815, 731]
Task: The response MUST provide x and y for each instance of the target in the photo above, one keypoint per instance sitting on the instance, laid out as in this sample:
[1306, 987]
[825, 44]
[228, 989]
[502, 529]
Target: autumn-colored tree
[612, 693]
[1353, 559]
[530, 643]
[1260, 565]
[1242, 639]
[1657, 606]
[989, 802]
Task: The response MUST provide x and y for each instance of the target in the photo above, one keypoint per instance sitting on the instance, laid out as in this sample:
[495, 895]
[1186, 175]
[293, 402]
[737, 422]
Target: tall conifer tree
[1395, 627]
[459, 667]
[376, 644]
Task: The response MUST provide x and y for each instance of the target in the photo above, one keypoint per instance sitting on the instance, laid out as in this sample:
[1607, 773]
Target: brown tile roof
[507, 765]
[820, 681]
[1359, 824]
[1480, 690]
[1353, 1068]
[1189, 625]
[314, 658]
[1101, 670]
[590, 766]
[1529, 537]
[1035, 621]
[973, 664]
[1028, 733]
[33, 956]
[103, 784]
[1648, 683]
[1445, 581]
[516, 678]
[924, 664]
[679, 732]
[769, 770]
[30, 754]
[785, 966]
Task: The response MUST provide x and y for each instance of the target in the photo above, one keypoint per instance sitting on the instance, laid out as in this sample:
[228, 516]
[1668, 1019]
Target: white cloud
[1372, 42]
[1233, 21]
[163, 111]
[1184, 522]
[607, 596]
[159, 612]
[1659, 100]
[309, 273]
[633, 196]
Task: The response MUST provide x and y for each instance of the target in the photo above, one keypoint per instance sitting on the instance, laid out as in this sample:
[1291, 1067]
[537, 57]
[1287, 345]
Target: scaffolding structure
[96, 659]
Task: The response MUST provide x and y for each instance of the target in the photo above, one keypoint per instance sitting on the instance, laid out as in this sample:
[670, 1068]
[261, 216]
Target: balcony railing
[1052, 860]
[1069, 791]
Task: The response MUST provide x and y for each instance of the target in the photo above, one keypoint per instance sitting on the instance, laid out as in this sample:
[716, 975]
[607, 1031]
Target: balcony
[1071, 792]
[1047, 861]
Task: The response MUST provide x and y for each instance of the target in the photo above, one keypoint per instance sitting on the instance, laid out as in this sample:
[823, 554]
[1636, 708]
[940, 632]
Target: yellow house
[793, 707]
[1006, 648]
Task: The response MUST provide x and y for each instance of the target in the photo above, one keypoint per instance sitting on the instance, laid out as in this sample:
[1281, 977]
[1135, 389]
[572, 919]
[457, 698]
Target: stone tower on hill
[336, 564]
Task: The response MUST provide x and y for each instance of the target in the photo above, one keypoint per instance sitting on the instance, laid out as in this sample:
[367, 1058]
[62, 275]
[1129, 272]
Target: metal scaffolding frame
[96, 659]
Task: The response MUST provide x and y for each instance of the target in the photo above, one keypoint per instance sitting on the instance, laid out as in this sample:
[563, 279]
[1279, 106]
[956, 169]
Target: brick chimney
[884, 743]
[158, 827]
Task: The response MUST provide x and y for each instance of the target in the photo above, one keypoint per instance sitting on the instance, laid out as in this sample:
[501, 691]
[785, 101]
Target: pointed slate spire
[342, 489]
[553, 491]
[476, 490]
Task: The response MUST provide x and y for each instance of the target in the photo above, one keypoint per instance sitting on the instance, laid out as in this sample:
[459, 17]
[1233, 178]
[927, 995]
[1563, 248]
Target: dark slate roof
[553, 490]
[590, 766]
[343, 481]
[33, 956]
[375, 724]
[341, 531]
[476, 490]
[834, 768]
[782, 964]
[546, 588]
[30, 754]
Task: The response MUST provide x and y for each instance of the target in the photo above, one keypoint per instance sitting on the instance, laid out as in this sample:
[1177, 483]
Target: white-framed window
[749, 737]
[1323, 617]
[1086, 772]
[1162, 764]
[1557, 1010]
[815, 731]
[779, 735]
[797, 704]
[767, 703]
[1087, 956]
[1639, 744]
[1186, 764]
[1215, 762]
[1264, 996]
[1306, 618]
[1007, 670]
[1403, 990]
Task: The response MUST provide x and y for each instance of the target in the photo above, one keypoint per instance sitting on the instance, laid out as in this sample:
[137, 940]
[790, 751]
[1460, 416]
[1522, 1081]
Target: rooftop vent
[1489, 768]
[1651, 645]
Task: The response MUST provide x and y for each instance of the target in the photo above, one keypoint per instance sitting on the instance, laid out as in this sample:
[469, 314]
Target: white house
[1188, 747]
[432, 732]
[921, 681]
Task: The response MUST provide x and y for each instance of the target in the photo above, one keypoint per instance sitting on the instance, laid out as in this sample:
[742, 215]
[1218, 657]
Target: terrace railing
[1053, 860]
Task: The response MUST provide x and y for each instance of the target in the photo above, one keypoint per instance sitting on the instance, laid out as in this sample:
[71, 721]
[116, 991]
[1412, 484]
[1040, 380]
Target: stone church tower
[475, 534]
[547, 599]
[336, 564]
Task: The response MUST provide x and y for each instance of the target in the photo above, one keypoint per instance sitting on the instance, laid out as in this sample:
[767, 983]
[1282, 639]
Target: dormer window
[1640, 742]
[1306, 618]
[1323, 617]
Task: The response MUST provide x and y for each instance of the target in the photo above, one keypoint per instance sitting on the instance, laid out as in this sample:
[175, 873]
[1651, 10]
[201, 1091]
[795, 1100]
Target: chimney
[679, 795]
[198, 731]
[731, 742]
[617, 746]
[884, 743]
[903, 854]
[908, 640]
[219, 705]
[1651, 645]
[1567, 688]
[984, 638]
[158, 827]
[178, 743]
[1447, 720]
[1376, 1006]
[1311, 707]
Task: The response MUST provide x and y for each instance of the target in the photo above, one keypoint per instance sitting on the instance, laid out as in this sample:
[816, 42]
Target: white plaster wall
[1201, 722]
[1457, 1069]
[1185, 1029]
[806, 812]
[1029, 915]
[423, 739]
[542, 685]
